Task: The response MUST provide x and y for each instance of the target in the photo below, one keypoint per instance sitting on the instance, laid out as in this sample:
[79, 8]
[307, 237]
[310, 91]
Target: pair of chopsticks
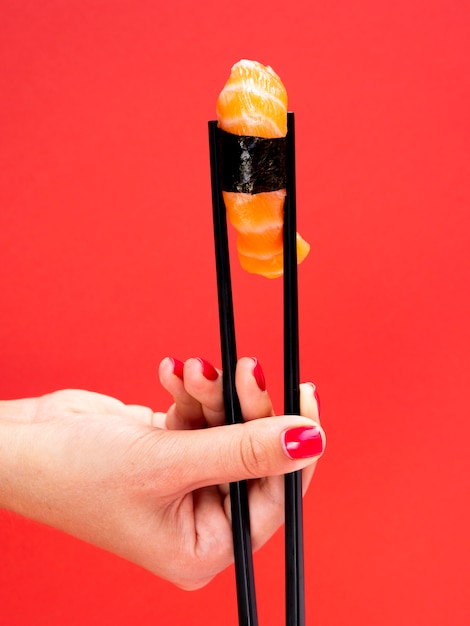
[294, 570]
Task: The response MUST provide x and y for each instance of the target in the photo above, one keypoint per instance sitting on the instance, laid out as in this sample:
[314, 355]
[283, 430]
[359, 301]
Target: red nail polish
[258, 375]
[178, 367]
[208, 370]
[303, 442]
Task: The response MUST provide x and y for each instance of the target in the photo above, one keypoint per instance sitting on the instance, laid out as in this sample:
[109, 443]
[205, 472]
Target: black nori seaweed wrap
[252, 164]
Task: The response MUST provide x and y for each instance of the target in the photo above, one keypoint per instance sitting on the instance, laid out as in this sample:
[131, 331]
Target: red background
[106, 266]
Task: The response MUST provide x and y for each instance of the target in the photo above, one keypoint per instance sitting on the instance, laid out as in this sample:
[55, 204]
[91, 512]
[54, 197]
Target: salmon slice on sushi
[253, 106]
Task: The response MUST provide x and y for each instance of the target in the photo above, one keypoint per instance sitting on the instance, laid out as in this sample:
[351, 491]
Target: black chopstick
[244, 573]
[295, 594]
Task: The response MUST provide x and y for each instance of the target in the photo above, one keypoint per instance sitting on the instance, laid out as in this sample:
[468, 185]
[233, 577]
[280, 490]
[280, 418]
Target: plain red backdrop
[106, 266]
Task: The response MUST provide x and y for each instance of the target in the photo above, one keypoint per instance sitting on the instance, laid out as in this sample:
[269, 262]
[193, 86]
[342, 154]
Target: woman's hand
[153, 487]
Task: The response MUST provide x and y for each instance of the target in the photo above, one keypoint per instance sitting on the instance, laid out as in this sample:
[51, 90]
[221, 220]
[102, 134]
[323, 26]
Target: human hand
[153, 487]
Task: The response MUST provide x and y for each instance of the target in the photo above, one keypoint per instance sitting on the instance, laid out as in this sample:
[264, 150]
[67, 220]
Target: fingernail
[208, 370]
[316, 396]
[178, 367]
[302, 442]
[258, 375]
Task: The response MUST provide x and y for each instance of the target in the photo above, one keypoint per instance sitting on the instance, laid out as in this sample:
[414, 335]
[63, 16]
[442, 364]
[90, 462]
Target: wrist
[9, 459]
[22, 410]
[15, 419]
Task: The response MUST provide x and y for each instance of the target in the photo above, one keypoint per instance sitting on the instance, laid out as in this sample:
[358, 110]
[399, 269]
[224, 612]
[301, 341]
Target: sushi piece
[253, 104]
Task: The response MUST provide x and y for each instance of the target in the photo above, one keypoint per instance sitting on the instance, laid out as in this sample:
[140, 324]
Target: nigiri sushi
[253, 103]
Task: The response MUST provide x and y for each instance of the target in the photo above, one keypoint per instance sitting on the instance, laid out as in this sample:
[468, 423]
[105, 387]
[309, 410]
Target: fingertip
[164, 367]
[310, 401]
[178, 367]
[254, 399]
[258, 374]
[168, 368]
[204, 367]
[317, 398]
[208, 370]
[251, 367]
[304, 442]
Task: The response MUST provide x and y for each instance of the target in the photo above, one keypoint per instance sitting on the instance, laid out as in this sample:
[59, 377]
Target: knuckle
[254, 455]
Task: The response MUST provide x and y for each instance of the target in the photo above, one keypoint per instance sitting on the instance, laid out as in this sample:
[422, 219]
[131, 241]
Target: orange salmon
[254, 103]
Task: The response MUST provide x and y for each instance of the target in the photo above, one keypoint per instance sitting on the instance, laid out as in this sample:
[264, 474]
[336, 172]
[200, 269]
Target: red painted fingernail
[258, 374]
[317, 398]
[303, 442]
[178, 367]
[208, 370]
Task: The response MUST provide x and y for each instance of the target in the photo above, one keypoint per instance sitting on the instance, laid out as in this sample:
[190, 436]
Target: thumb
[264, 447]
